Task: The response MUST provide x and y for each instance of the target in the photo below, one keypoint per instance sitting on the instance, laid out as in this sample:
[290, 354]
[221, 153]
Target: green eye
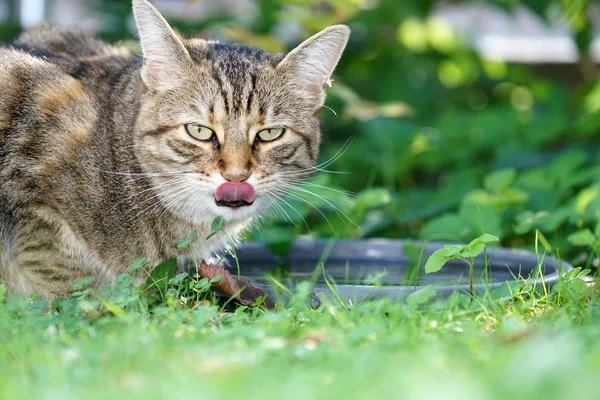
[267, 135]
[199, 132]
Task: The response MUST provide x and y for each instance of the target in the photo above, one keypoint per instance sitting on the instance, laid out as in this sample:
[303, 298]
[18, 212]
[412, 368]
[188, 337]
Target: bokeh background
[446, 119]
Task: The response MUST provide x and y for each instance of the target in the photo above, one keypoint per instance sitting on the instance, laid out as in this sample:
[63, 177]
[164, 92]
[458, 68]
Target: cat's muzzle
[235, 194]
[232, 204]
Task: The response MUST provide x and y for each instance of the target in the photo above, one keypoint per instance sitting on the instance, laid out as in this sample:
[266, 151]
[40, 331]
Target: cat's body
[68, 201]
[105, 157]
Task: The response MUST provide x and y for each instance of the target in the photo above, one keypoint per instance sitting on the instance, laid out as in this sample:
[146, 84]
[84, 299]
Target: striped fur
[96, 168]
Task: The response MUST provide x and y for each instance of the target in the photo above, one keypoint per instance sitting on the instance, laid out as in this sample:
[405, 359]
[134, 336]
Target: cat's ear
[165, 56]
[313, 61]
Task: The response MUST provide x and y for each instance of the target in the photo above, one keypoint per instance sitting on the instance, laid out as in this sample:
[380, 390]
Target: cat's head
[224, 130]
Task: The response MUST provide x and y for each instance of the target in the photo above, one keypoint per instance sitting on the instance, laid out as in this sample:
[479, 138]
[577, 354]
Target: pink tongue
[230, 191]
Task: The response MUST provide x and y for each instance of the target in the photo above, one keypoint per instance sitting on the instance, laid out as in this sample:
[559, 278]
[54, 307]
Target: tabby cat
[106, 157]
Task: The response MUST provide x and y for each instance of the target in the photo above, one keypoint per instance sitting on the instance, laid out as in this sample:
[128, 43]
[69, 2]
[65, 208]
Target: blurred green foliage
[444, 144]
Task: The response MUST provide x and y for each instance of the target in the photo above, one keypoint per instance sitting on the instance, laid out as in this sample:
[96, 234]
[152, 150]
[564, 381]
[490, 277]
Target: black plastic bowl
[350, 266]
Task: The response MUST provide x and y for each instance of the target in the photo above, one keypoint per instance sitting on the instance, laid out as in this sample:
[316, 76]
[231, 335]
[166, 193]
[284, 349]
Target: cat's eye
[270, 134]
[200, 132]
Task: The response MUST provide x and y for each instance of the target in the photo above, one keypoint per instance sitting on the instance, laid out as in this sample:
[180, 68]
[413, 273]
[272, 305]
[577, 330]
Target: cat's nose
[235, 176]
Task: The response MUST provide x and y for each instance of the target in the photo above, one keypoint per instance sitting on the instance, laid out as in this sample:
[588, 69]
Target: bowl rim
[359, 292]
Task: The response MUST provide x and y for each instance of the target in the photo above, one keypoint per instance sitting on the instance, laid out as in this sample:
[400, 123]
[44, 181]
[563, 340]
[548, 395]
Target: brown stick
[242, 290]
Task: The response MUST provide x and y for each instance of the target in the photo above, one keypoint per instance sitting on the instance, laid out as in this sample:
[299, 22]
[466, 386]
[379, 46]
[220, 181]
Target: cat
[106, 157]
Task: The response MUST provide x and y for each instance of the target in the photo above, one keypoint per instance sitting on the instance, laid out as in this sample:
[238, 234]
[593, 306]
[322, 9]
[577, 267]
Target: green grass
[464, 157]
[532, 346]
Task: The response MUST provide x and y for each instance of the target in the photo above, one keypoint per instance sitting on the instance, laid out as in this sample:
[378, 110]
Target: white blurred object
[32, 12]
[197, 10]
[83, 14]
[521, 36]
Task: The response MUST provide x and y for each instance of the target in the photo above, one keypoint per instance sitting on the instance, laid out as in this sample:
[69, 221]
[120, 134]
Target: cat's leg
[33, 262]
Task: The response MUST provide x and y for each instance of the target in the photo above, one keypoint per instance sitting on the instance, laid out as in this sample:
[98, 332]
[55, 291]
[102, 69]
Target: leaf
[543, 220]
[436, 260]
[500, 180]
[203, 285]
[278, 238]
[177, 279]
[123, 280]
[480, 219]
[473, 250]
[375, 278]
[591, 101]
[443, 227]
[486, 238]
[453, 250]
[251, 293]
[137, 264]
[160, 276]
[514, 196]
[478, 244]
[481, 197]
[420, 297]
[183, 243]
[241, 290]
[217, 225]
[506, 290]
[372, 198]
[83, 282]
[527, 220]
[584, 237]
[566, 164]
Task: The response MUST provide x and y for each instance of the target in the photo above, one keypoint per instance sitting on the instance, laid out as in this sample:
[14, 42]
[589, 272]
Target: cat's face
[225, 129]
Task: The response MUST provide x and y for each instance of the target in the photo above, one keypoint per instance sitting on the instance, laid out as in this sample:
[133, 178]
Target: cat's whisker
[299, 214]
[290, 183]
[164, 202]
[273, 206]
[342, 150]
[175, 202]
[198, 177]
[137, 145]
[134, 195]
[329, 201]
[327, 171]
[311, 184]
[299, 188]
[307, 172]
[176, 188]
[151, 188]
[330, 109]
[138, 205]
[339, 212]
[276, 199]
[280, 209]
[153, 200]
[180, 203]
[279, 197]
[295, 196]
[321, 167]
[172, 203]
[147, 174]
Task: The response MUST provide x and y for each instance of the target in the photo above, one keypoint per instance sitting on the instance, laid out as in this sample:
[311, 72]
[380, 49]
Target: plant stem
[471, 262]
